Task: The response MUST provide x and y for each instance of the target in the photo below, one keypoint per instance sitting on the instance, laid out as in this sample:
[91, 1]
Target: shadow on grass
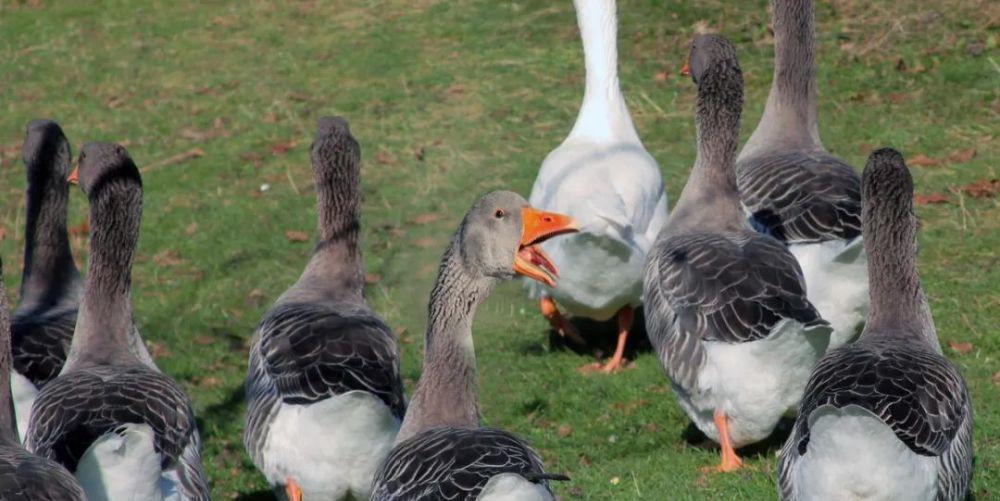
[263, 495]
[600, 338]
[227, 411]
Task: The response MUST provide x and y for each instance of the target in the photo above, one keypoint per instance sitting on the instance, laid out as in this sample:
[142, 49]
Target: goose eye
[499, 214]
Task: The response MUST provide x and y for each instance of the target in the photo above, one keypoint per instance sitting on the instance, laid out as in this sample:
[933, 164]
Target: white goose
[887, 417]
[797, 192]
[603, 177]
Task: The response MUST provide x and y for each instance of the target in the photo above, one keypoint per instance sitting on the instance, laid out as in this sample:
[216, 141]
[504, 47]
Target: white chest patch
[330, 448]
[755, 383]
[513, 487]
[852, 454]
[122, 465]
[23, 392]
[836, 275]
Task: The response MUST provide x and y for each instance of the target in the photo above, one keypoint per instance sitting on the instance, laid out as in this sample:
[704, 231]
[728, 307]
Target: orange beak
[537, 227]
[74, 177]
[686, 70]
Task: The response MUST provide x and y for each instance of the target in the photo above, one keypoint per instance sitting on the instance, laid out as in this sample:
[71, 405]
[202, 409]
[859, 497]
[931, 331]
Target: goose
[887, 417]
[797, 192]
[441, 451]
[42, 326]
[726, 308]
[324, 392]
[124, 429]
[602, 176]
[24, 476]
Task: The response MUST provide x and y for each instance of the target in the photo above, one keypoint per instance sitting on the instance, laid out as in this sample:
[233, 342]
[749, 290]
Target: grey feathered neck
[790, 120]
[446, 393]
[104, 332]
[898, 305]
[49, 274]
[335, 270]
[710, 199]
[8, 427]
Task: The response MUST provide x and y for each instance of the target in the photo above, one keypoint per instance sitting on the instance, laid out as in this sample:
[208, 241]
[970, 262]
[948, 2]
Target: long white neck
[603, 115]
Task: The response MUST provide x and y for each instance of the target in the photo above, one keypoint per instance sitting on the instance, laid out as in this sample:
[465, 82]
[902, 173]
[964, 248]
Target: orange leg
[730, 461]
[625, 318]
[558, 322]
[292, 490]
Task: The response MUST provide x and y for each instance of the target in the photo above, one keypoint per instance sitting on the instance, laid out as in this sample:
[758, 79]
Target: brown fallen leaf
[930, 198]
[383, 157]
[167, 257]
[425, 218]
[996, 378]
[191, 229]
[252, 157]
[921, 160]
[209, 382]
[174, 159]
[960, 348]
[255, 297]
[660, 76]
[3, 233]
[982, 189]
[282, 147]
[564, 430]
[204, 340]
[419, 153]
[80, 230]
[157, 350]
[425, 242]
[296, 236]
[962, 156]
[372, 278]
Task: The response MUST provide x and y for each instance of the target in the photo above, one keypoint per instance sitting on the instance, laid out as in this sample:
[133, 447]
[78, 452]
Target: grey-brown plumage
[794, 190]
[441, 451]
[42, 326]
[320, 340]
[108, 383]
[895, 371]
[24, 476]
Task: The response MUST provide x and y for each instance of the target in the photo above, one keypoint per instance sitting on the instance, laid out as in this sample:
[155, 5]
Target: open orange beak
[537, 227]
[74, 177]
[686, 70]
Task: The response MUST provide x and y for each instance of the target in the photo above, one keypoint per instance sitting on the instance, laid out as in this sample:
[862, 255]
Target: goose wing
[800, 196]
[79, 407]
[26, 477]
[454, 464]
[719, 288]
[918, 394]
[305, 352]
[39, 344]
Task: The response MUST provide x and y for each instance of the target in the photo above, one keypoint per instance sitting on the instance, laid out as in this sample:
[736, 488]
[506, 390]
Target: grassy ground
[450, 100]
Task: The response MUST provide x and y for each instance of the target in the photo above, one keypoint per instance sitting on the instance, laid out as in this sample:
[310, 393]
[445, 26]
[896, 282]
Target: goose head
[709, 53]
[101, 163]
[46, 151]
[500, 234]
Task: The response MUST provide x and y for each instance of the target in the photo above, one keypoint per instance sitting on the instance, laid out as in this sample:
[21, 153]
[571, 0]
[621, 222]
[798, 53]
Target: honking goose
[887, 417]
[441, 451]
[323, 386]
[603, 177]
[726, 306]
[123, 428]
[797, 192]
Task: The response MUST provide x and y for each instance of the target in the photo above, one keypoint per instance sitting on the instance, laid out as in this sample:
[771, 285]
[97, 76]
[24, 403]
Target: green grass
[450, 100]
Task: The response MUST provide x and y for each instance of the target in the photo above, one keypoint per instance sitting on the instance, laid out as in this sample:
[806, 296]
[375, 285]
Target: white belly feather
[513, 487]
[123, 466]
[23, 392]
[332, 447]
[853, 455]
[836, 274]
[755, 383]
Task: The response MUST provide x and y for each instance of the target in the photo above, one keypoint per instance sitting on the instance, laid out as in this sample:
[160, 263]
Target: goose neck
[603, 113]
[104, 324]
[8, 427]
[48, 262]
[897, 301]
[446, 393]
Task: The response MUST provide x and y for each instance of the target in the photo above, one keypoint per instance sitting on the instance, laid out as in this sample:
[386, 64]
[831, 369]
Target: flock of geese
[780, 284]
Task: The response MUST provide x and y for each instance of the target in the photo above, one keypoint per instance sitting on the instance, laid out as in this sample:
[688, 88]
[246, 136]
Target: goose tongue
[537, 227]
[74, 177]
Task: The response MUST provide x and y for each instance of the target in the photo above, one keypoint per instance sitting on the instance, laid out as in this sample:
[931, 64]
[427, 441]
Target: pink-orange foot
[292, 490]
[559, 323]
[730, 460]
